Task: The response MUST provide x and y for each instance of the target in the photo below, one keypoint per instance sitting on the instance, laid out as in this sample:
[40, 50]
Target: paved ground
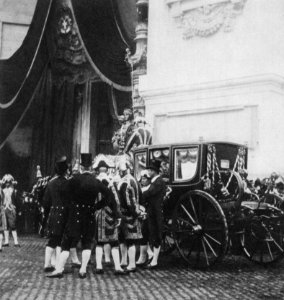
[21, 277]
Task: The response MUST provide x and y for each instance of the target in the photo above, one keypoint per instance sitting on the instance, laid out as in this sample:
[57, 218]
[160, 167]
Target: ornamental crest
[205, 17]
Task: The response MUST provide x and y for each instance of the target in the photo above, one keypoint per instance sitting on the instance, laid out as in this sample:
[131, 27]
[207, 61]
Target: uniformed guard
[130, 193]
[56, 203]
[83, 189]
[107, 229]
[153, 197]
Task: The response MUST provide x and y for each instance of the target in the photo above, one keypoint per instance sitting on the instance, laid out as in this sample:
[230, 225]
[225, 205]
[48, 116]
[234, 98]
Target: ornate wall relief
[205, 17]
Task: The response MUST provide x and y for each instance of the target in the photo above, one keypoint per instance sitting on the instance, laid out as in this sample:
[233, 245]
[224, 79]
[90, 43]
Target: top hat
[154, 165]
[86, 159]
[102, 164]
[61, 165]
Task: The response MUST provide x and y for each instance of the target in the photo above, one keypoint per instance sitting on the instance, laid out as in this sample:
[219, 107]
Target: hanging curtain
[54, 124]
[102, 40]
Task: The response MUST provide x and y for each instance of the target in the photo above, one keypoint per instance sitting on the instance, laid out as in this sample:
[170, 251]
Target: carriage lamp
[166, 152]
[157, 153]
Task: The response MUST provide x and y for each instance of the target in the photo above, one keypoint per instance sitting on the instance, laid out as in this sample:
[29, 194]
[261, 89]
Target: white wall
[227, 86]
[15, 18]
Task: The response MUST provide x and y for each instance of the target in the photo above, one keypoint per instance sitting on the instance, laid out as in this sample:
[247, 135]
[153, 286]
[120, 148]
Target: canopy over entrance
[70, 45]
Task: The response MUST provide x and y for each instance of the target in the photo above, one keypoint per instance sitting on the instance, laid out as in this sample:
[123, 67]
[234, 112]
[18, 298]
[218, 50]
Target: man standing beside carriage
[154, 197]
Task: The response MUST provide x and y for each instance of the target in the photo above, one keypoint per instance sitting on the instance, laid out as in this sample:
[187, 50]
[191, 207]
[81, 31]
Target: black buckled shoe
[6, 245]
[49, 269]
[99, 271]
[120, 272]
[82, 275]
[133, 270]
[55, 275]
[149, 267]
[17, 245]
[75, 265]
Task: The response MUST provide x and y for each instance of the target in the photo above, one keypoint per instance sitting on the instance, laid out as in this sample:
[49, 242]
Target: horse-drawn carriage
[209, 211]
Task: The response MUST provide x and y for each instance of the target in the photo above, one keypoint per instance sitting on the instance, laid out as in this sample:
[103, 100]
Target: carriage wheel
[168, 243]
[262, 239]
[200, 229]
[235, 186]
[274, 200]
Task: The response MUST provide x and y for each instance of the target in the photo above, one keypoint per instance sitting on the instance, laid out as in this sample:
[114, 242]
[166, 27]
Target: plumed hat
[86, 159]
[154, 165]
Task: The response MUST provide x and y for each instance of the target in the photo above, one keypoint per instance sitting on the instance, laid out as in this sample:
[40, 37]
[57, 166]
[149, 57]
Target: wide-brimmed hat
[61, 165]
[102, 164]
[86, 159]
[154, 165]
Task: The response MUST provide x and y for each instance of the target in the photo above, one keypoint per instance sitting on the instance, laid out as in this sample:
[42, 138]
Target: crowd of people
[8, 199]
[110, 215]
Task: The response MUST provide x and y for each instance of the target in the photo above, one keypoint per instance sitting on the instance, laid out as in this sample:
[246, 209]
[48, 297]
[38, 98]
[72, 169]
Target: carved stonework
[138, 61]
[205, 17]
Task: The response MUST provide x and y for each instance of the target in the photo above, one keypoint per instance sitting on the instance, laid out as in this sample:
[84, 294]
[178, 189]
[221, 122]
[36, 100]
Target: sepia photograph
[141, 149]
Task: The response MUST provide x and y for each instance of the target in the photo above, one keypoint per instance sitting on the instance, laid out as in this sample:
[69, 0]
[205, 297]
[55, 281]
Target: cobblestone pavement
[22, 277]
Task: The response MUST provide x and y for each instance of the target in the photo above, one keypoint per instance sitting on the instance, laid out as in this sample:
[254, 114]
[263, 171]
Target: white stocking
[6, 235]
[154, 261]
[99, 257]
[62, 261]
[1, 240]
[123, 249]
[116, 258]
[107, 250]
[48, 253]
[15, 237]
[131, 256]
[143, 254]
[86, 254]
[57, 255]
[74, 256]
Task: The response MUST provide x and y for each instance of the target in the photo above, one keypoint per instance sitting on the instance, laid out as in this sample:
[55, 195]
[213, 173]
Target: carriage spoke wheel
[235, 187]
[262, 240]
[200, 229]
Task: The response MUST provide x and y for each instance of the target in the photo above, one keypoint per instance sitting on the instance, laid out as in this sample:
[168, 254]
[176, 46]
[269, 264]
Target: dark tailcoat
[56, 200]
[84, 189]
[153, 198]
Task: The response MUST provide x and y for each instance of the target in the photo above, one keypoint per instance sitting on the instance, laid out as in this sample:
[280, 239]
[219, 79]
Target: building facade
[215, 71]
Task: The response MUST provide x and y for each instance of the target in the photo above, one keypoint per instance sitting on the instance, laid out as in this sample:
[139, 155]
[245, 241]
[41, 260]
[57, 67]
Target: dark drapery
[54, 123]
[20, 74]
[102, 39]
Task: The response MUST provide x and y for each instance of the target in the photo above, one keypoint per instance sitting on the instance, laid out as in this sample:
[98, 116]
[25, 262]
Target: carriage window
[140, 164]
[163, 156]
[185, 163]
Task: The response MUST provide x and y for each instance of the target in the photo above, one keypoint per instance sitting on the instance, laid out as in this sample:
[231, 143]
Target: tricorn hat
[102, 164]
[154, 165]
[61, 165]
[86, 159]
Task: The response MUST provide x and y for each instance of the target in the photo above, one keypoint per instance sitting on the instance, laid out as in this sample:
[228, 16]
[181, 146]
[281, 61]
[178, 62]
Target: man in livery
[83, 190]
[130, 193]
[153, 198]
[56, 204]
[107, 228]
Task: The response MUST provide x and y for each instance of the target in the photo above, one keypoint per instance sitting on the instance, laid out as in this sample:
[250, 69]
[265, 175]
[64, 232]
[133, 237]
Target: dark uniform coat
[56, 201]
[153, 197]
[130, 194]
[84, 189]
